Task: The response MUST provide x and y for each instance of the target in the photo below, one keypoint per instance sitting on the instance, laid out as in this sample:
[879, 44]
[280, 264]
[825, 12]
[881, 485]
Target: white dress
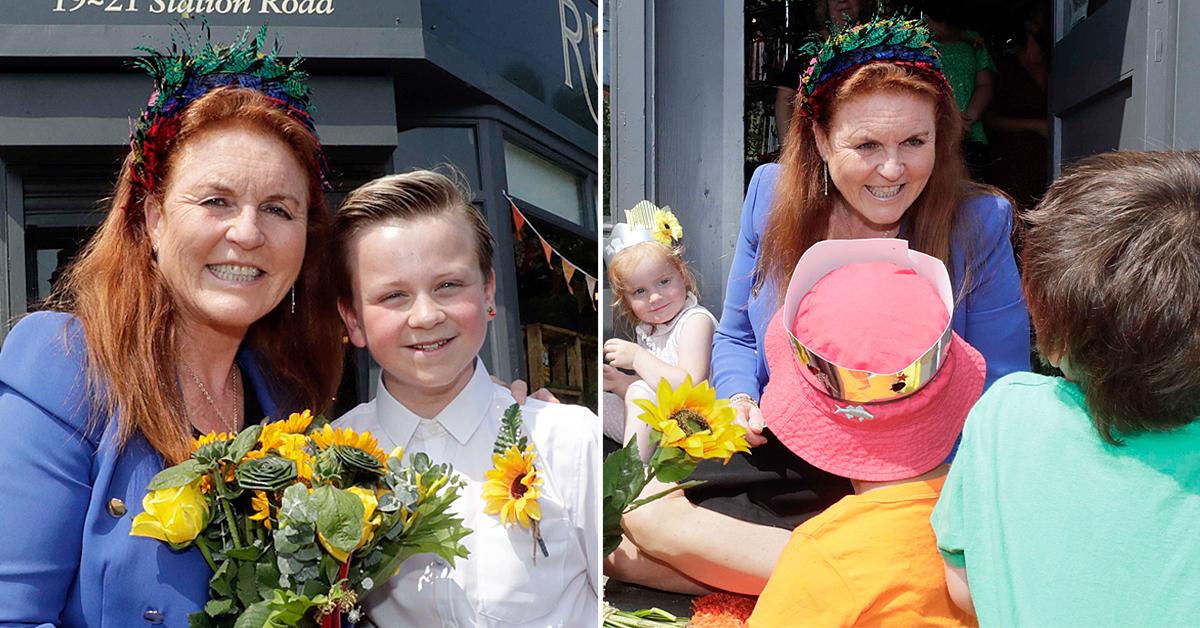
[499, 584]
[662, 341]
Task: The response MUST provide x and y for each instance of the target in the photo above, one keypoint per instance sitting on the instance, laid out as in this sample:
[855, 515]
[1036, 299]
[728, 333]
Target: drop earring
[825, 167]
[293, 299]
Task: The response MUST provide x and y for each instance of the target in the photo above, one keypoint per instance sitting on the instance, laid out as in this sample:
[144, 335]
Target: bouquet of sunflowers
[299, 520]
[689, 425]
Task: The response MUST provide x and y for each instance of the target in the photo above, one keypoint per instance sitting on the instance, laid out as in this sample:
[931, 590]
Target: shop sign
[205, 7]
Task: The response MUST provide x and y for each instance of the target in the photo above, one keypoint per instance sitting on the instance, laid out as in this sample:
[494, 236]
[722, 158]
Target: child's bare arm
[695, 351]
[730, 554]
[960, 592]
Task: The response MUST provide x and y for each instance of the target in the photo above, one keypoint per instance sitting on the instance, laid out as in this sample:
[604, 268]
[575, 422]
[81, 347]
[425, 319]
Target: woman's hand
[617, 382]
[519, 389]
[750, 417]
[621, 353]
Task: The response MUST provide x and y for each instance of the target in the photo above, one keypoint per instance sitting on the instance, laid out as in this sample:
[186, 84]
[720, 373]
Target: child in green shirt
[1074, 501]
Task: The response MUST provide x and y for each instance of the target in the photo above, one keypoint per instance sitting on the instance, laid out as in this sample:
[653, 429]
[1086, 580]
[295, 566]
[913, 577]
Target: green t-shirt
[1058, 528]
[961, 61]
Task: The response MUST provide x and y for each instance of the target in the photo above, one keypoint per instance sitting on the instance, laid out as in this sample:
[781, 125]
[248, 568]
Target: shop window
[545, 184]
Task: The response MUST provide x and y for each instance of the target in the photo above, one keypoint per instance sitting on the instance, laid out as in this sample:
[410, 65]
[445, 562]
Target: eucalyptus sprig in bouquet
[299, 520]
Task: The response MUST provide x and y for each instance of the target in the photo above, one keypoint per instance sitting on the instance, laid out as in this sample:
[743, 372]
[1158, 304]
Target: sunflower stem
[203, 545]
[637, 503]
[229, 518]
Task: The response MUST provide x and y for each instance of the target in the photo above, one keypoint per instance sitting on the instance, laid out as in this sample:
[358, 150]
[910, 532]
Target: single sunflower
[666, 227]
[210, 438]
[347, 436]
[694, 420]
[511, 488]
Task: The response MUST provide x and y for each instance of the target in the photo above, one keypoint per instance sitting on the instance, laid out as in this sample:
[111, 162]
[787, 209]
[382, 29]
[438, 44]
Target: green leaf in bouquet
[316, 586]
[201, 620]
[218, 607]
[183, 473]
[670, 464]
[388, 502]
[212, 453]
[250, 553]
[283, 610]
[624, 478]
[269, 473]
[297, 506]
[243, 444]
[221, 582]
[247, 585]
[266, 573]
[339, 517]
[421, 462]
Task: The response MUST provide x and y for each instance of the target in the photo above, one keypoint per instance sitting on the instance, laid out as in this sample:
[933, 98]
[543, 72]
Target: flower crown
[646, 222]
[189, 69]
[892, 40]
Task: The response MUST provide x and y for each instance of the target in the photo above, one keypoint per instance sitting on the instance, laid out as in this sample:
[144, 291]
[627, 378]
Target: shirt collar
[460, 418]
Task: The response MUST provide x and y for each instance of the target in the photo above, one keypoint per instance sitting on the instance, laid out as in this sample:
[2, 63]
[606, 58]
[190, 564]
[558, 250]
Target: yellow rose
[370, 520]
[175, 515]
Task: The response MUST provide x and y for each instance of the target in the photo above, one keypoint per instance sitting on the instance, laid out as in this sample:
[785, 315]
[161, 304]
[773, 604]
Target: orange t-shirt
[869, 559]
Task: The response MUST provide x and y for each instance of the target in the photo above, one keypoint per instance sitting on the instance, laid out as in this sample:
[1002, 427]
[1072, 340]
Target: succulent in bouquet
[299, 521]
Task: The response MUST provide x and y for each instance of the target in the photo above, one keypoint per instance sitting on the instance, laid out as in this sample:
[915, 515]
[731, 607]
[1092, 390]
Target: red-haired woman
[200, 305]
[873, 152]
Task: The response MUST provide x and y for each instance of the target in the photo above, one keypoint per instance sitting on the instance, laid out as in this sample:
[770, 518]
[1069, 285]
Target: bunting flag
[518, 218]
[591, 284]
[568, 269]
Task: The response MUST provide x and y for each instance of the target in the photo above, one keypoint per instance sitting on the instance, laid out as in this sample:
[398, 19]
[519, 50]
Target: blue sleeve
[997, 318]
[735, 353]
[45, 468]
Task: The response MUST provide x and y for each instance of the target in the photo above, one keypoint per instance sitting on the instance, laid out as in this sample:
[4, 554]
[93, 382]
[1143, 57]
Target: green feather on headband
[190, 68]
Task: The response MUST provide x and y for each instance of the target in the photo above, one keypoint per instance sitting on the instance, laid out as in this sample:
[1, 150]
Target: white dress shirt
[500, 584]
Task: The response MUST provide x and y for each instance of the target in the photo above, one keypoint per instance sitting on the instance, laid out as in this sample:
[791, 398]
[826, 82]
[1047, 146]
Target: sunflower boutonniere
[513, 486]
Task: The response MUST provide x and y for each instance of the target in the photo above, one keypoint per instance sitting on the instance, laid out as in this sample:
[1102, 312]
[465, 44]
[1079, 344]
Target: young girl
[656, 292]
[418, 292]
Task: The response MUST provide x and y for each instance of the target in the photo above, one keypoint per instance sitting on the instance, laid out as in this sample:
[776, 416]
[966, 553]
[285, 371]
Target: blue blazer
[992, 316]
[65, 560]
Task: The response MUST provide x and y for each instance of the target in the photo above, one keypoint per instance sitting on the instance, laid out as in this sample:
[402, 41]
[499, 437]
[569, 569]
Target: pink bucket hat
[868, 381]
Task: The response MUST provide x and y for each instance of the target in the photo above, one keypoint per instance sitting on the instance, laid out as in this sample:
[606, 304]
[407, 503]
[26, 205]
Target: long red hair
[129, 317]
[799, 217]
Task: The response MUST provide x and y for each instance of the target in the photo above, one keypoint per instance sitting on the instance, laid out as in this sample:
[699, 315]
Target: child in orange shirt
[869, 382]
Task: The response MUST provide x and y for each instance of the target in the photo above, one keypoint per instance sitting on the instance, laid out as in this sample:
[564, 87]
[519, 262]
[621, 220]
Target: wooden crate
[555, 360]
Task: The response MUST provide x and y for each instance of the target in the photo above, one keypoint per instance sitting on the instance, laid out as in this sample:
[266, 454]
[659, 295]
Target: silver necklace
[237, 396]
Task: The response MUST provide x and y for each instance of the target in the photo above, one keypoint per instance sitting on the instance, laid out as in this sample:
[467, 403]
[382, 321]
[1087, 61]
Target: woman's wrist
[742, 397]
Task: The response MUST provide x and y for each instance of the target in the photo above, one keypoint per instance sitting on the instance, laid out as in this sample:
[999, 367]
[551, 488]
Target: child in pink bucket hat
[869, 382]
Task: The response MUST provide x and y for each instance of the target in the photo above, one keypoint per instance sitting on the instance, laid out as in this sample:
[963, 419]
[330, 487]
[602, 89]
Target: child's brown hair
[1112, 276]
[404, 197]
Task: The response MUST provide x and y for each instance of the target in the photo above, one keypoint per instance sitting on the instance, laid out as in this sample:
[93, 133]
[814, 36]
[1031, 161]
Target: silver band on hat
[858, 385]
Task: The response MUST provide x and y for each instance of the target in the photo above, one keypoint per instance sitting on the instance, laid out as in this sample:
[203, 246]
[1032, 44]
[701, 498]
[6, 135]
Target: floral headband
[892, 40]
[188, 70]
[646, 222]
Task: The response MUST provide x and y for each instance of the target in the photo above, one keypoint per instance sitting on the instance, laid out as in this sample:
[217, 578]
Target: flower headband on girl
[646, 222]
[189, 69]
[893, 40]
